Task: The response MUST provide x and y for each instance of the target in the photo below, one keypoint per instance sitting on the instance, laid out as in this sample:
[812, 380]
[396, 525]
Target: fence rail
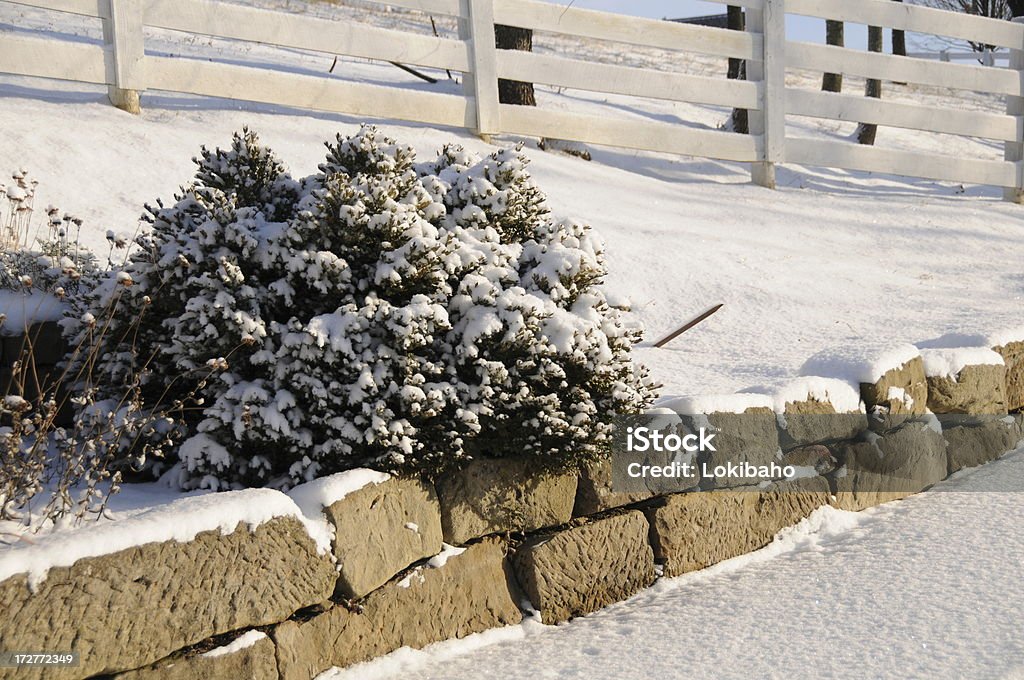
[206, 17]
[986, 56]
[122, 64]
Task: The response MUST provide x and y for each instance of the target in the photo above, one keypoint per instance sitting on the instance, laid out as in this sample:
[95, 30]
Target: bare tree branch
[994, 9]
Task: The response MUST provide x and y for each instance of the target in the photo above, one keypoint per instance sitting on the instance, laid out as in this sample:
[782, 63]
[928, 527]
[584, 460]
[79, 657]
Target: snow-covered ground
[928, 587]
[832, 258]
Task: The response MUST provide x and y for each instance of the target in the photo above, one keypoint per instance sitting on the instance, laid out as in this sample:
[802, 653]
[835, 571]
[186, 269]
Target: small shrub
[50, 473]
[381, 312]
[46, 258]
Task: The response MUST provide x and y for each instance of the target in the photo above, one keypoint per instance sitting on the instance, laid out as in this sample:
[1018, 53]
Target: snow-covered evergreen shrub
[378, 313]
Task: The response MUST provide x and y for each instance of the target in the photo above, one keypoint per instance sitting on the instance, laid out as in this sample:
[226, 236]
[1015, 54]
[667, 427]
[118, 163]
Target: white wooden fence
[123, 64]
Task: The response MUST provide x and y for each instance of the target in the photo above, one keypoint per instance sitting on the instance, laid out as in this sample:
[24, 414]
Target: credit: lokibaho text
[677, 470]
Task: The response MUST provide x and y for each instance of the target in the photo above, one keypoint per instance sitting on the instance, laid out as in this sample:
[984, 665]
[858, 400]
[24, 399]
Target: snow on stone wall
[347, 568]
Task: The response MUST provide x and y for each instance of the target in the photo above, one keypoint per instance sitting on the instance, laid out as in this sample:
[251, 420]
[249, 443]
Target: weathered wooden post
[770, 121]
[1014, 151]
[485, 67]
[835, 35]
[466, 36]
[122, 35]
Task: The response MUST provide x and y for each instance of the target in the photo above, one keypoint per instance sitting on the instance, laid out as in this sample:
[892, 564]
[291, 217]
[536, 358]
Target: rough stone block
[12, 349]
[253, 661]
[748, 437]
[496, 496]
[976, 390]
[582, 569]
[381, 529]
[816, 457]
[28, 383]
[898, 393]
[888, 467]
[638, 468]
[692, 531]
[46, 340]
[594, 491]
[462, 594]
[970, 446]
[133, 607]
[1013, 355]
[814, 422]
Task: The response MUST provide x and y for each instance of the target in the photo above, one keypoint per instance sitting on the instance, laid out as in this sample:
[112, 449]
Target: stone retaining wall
[414, 563]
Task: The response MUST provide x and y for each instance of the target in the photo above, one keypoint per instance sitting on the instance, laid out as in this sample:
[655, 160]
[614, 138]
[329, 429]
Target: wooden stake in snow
[689, 324]
[407, 69]
[434, 27]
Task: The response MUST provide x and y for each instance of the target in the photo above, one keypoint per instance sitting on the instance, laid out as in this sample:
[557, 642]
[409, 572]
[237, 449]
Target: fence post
[466, 36]
[1014, 151]
[122, 35]
[770, 120]
[485, 67]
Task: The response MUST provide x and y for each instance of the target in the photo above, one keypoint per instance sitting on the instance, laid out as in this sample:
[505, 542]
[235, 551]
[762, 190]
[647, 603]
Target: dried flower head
[218, 364]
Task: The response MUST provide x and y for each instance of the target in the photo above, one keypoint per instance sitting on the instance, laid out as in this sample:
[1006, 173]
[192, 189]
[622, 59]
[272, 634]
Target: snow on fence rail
[122, 63]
